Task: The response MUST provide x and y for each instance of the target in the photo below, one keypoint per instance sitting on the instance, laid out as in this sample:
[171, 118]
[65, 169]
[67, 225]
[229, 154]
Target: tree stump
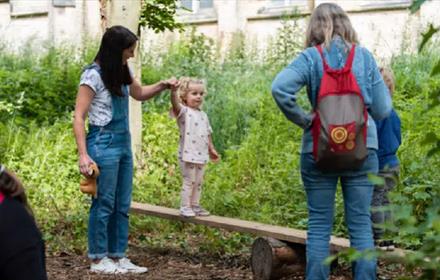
[274, 259]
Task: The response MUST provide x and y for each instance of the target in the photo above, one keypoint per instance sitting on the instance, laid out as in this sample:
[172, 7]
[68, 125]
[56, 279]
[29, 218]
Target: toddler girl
[195, 145]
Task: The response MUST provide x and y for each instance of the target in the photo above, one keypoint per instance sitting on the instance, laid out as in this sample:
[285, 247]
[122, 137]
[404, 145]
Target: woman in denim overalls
[103, 95]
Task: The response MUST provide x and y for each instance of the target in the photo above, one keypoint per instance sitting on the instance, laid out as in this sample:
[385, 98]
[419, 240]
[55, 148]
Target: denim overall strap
[120, 120]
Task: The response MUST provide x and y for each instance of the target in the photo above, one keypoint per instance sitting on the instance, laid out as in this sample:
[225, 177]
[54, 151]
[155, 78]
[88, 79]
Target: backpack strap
[350, 58]
[348, 63]
[319, 48]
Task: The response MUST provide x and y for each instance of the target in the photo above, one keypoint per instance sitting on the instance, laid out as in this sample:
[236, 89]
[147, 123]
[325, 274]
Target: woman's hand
[84, 163]
[213, 155]
[171, 83]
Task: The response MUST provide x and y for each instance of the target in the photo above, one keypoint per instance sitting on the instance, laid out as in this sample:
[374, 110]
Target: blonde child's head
[327, 21]
[388, 78]
[191, 91]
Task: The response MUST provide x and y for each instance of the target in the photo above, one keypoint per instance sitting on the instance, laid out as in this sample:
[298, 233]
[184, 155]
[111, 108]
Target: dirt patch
[162, 264]
[176, 265]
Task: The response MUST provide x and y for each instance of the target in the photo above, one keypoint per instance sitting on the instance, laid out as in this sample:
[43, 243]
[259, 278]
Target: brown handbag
[88, 185]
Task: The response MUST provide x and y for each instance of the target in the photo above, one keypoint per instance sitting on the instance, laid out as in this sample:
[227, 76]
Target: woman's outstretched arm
[142, 93]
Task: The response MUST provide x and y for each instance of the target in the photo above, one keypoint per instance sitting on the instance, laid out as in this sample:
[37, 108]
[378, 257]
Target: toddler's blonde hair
[327, 21]
[388, 78]
[185, 83]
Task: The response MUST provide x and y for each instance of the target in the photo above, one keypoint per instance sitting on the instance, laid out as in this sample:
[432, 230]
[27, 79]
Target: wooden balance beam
[279, 251]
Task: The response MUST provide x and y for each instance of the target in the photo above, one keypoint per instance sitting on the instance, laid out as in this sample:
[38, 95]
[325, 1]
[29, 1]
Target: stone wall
[385, 27]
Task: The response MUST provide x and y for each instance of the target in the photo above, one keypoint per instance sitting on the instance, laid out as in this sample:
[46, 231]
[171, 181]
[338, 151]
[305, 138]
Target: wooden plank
[277, 232]
[281, 233]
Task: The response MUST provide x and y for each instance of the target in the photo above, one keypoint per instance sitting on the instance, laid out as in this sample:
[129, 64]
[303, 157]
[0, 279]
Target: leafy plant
[286, 44]
[159, 15]
[418, 216]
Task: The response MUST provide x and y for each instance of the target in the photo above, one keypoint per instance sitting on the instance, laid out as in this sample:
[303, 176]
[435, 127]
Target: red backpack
[339, 128]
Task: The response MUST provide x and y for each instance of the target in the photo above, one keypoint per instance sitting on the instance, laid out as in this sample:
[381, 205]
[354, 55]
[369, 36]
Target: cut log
[274, 259]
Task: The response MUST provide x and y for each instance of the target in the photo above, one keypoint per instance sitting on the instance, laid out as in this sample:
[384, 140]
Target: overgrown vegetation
[258, 178]
[40, 87]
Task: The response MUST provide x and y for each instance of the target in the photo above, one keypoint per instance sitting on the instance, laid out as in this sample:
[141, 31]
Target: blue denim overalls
[110, 147]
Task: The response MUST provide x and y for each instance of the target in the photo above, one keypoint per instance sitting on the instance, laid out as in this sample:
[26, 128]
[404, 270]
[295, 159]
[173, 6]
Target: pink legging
[192, 183]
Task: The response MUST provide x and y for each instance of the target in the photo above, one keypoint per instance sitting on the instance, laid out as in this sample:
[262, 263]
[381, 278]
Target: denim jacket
[389, 137]
[307, 70]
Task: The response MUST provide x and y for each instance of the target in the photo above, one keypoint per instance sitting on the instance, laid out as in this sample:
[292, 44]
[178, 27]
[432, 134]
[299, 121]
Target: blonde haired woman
[330, 39]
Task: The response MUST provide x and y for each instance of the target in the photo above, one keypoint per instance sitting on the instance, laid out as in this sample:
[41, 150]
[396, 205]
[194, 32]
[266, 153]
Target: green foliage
[427, 36]
[158, 174]
[9, 109]
[193, 55]
[40, 87]
[46, 160]
[425, 233]
[376, 180]
[159, 15]
[250, 179]
[417, 208]
[415, 5]
[410, 100]
[287, 43]
[236, 82]
[436, 70]
[432, 138]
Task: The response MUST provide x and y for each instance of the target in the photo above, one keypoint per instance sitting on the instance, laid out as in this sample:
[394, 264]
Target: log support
[274, 259]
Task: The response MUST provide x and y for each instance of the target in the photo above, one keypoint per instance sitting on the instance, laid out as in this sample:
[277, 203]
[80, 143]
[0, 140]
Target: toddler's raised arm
[175, 101]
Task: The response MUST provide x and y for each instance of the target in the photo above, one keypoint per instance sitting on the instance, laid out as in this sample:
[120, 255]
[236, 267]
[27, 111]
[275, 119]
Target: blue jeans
[357, 191]
[380, 199]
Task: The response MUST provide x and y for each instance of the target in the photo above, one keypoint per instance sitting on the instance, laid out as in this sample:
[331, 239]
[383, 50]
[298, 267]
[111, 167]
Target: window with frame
[282, 3]
[282, 6]
[388, 3]
[64, 3]
[206, 4]
[28, 7]
[360, 5]
[196, 5]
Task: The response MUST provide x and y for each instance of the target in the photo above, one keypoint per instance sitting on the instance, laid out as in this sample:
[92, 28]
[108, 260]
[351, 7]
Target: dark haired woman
[103, 95]
[21, 246]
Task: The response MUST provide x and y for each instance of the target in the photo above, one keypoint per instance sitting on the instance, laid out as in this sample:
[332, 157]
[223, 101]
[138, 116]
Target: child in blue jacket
[389, 140]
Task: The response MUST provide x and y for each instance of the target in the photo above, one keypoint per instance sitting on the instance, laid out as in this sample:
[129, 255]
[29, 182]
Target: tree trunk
[274, 259]
[311, 5]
